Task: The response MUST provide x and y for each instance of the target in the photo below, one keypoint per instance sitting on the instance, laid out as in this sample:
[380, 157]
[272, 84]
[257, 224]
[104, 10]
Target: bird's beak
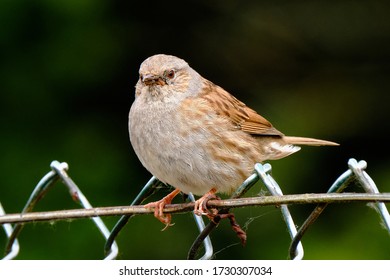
[150, 79]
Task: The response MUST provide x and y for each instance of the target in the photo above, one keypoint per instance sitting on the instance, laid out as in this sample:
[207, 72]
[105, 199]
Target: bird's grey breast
[154, 133]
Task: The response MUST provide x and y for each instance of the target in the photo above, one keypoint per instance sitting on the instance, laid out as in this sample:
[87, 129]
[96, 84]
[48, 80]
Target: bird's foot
[159, 208]
[201, 204]
[201, 209]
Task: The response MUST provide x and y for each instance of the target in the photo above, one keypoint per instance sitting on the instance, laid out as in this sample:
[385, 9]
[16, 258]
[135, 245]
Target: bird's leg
[201, 204]
[159, 207]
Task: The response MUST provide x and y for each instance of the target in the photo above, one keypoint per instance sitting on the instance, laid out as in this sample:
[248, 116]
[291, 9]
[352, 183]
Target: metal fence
[59, 172]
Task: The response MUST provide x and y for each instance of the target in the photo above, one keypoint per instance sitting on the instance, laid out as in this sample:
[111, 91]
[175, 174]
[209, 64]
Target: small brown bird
[195, 136]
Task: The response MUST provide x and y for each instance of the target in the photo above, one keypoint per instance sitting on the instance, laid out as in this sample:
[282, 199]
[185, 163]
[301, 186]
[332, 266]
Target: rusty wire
[355, 172]
[58, 172]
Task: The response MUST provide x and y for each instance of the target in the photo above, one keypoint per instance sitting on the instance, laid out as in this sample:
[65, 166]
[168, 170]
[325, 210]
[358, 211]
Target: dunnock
[195, 136]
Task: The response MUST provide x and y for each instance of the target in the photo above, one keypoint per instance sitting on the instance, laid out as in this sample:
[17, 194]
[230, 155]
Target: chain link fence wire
[356, 172]
[14, 250]
[58, 172]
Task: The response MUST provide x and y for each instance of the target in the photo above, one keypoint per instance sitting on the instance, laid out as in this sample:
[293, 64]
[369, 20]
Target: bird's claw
[159, 209]
[201, 204]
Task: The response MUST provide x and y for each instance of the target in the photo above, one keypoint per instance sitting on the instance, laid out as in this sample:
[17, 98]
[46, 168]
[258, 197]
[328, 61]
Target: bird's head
[163, 75]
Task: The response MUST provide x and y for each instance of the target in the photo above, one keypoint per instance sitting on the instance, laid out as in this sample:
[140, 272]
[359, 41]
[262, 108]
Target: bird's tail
[308, 141]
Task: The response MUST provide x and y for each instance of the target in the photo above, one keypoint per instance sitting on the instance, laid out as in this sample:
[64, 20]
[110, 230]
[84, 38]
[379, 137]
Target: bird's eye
[141, 77]
[170, 74]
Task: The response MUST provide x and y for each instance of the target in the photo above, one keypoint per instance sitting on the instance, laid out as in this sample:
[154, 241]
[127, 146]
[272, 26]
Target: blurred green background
[313, 68]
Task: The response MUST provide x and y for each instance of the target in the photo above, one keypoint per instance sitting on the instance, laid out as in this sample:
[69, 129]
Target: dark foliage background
[313, 68]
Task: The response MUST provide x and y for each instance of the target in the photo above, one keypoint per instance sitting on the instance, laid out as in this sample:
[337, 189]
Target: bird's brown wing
[241, 115]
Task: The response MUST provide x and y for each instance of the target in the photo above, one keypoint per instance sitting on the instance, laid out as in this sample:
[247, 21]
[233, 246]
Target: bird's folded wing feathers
[241, 115]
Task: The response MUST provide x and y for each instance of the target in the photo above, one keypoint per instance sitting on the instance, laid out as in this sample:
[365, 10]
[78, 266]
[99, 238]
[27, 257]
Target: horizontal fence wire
[59, 172]
[355, 171]
[14, 250]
